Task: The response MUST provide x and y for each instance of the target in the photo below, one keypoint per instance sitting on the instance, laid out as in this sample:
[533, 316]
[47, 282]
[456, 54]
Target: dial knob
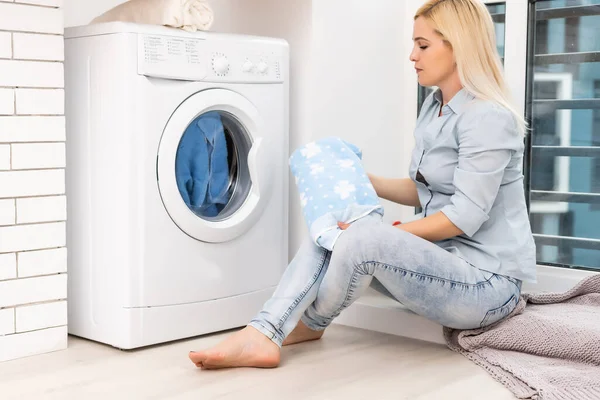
[263, 67]
[248, 66]
[221, 65]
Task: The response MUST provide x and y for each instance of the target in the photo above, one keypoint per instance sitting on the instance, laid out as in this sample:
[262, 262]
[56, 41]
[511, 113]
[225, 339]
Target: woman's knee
[362, 241]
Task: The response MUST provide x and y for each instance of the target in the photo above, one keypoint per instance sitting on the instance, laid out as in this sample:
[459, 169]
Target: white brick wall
[8, 266]
[41, 262]
[31, 343]
[4, 157]
[5, 45]
[7, 212]
[28, 46]
[40, 101]
[41, 209]
[32, 129]
[31, 237]
[41, 316]
[7, 101]
[39, 74]
[33, 254]
[53, 3]
[7, 321]
[38, 155]
[24, 18]
[19, 292]
[31, 183]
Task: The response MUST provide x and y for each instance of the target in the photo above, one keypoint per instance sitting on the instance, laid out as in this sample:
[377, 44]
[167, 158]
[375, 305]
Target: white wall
[81, 12]
[33, 264]
[364, 85]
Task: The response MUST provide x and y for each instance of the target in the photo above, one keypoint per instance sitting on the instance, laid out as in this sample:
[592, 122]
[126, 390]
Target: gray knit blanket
[548, 348]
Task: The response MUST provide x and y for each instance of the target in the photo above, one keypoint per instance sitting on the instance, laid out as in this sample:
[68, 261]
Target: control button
[263, 67]
[221, 65]
[248, 66]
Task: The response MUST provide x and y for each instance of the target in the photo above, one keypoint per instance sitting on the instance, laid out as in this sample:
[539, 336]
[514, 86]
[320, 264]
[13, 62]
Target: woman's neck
[449, 89]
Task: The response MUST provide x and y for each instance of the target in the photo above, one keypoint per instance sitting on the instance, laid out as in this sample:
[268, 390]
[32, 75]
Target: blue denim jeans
[318, 284]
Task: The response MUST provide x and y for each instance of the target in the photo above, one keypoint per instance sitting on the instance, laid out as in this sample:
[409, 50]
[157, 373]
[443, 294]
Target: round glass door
[212, 166]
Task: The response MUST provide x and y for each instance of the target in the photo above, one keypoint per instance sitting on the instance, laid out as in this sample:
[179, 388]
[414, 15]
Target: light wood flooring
[347, 363]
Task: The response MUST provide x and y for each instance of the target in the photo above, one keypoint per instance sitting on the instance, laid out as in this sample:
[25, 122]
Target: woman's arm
[434, 228]
[402, 191]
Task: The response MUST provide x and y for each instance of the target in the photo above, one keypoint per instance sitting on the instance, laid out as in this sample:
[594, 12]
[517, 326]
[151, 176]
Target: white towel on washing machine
[189, 15]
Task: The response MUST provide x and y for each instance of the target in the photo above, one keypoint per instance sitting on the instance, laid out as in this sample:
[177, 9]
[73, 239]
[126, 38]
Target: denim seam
[306, 289]
[349, 292]
[274, 334]
[516, 286]
[400, 269]
[496, 310]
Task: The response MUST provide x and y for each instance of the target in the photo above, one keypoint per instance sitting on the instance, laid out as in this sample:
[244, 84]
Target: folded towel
[201, 166]
[333, 188]
[189, 15]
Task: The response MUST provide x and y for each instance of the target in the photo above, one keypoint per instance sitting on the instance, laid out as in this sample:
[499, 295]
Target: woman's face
[433, 58]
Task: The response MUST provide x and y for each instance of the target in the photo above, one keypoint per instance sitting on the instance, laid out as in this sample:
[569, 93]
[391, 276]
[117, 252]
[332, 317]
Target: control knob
[221, 65]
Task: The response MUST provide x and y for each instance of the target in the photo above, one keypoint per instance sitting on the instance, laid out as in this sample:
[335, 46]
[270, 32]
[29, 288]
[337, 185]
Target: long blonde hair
[467, 26]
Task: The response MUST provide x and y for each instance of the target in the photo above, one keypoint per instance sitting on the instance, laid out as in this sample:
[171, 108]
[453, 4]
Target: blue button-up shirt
[467, 163]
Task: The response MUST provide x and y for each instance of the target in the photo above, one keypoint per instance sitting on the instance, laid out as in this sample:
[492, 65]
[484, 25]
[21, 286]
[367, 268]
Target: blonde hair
[467, 26]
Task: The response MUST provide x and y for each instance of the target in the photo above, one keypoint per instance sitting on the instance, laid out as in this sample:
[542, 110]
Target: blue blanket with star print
[333, 187]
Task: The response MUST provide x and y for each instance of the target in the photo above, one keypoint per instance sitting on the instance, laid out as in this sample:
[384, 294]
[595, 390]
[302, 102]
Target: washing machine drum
[213, 173]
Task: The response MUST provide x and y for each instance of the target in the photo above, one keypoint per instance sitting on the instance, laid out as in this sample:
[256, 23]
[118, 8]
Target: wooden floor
[347, 363]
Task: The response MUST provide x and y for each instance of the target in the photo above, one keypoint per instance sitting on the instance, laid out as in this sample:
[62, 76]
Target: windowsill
[376, 312]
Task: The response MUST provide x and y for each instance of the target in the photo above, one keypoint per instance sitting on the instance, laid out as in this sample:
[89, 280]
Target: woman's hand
[343, 226]
[434, 227]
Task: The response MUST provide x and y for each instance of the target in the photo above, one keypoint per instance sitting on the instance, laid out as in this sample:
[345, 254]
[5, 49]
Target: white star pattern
[310, 150]
[347, 163]
[303, 199]
[316, 169]
[344, 188]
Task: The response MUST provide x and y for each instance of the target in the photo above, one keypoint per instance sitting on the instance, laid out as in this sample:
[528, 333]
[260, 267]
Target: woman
[462, 264]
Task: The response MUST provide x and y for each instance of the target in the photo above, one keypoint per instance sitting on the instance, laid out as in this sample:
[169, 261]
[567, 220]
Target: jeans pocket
[497, 314]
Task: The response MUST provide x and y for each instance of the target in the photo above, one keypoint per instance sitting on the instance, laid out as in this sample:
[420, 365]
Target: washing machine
[150, 259]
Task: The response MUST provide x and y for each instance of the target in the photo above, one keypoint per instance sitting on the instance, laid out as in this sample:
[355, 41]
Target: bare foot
[246, 348]
[302, 333]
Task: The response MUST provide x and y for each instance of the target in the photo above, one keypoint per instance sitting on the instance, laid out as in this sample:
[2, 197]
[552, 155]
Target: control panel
[201, 59]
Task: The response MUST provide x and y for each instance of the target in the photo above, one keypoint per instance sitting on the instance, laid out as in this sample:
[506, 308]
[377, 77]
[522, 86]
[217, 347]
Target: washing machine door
[213, 166]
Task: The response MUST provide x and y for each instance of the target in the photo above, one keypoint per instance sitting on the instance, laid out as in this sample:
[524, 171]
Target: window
[563, 107]
[595, 183]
